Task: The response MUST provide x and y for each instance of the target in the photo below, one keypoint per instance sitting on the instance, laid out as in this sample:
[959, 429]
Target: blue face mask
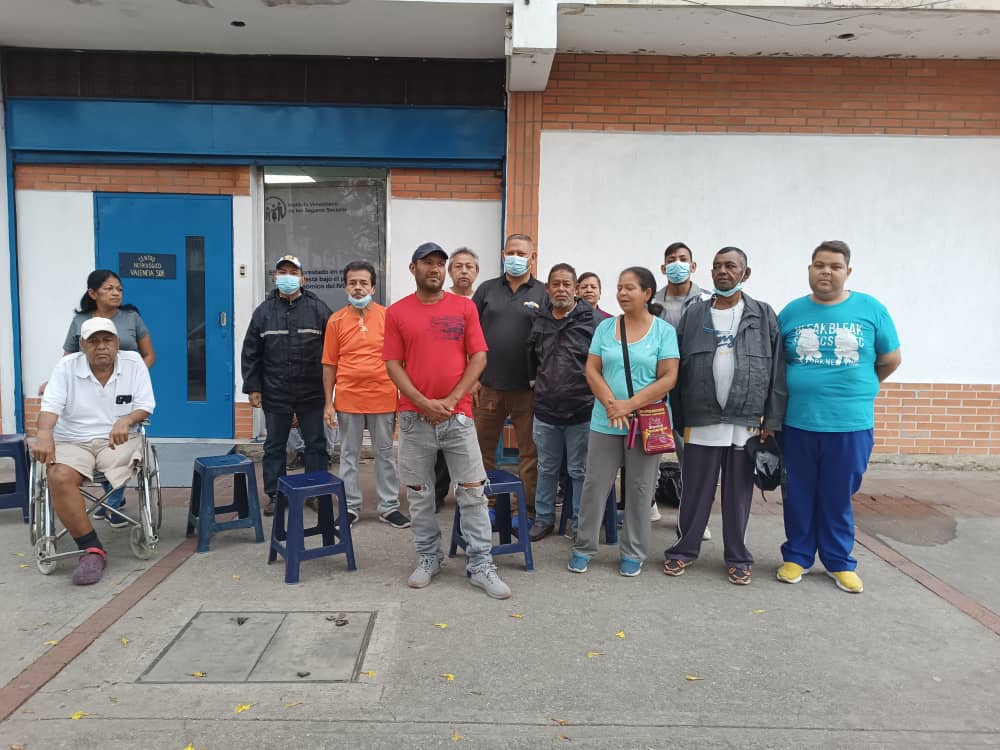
[362, 303]
[287, 284]
[515, 265]
[728, 292]
[678, 272]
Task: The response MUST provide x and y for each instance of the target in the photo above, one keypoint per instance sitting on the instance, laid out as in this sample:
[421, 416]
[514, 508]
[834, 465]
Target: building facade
[606, 130]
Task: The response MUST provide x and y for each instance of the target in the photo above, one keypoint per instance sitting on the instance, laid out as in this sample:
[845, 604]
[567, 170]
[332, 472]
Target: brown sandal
[739, 576]
[674, 567]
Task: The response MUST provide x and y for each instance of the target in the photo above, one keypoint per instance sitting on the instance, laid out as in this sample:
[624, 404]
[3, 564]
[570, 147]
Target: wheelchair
[142, 530]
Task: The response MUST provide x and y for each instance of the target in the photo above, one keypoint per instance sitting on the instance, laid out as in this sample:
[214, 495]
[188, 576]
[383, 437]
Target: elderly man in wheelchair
[89, 425]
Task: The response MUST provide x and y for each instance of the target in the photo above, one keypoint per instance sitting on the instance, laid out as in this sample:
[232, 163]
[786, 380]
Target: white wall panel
[920, 215]
[55, 252]
[451, 224]
[243, 284]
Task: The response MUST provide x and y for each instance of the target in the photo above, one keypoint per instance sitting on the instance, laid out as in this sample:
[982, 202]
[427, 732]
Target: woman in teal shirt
[653, 359]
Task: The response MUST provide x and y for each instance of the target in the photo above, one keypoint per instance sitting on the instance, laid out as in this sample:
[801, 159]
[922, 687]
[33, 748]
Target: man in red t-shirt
[434, 352]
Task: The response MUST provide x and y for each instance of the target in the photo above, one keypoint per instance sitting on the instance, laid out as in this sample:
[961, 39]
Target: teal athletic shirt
[660, 342]
[830, 353]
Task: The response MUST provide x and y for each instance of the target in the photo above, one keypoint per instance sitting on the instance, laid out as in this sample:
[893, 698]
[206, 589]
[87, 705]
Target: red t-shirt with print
[434, 342]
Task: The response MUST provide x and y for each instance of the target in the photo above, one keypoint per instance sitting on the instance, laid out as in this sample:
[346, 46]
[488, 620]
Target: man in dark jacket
[557, 356]
[731, 386]
[283, 370]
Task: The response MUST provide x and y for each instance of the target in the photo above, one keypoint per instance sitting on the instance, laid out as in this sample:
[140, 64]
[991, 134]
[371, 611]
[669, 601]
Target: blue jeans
[419, 443]
[552, 442]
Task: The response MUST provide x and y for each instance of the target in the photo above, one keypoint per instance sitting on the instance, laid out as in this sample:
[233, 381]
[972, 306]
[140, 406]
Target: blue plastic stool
[501, 484]
[293, 491]
[610, 521]
[202, 509]
[15, 494]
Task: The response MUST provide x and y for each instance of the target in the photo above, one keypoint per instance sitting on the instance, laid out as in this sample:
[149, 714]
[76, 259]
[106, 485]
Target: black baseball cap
[428, 248]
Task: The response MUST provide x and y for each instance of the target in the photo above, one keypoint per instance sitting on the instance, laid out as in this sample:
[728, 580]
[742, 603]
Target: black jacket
[557, 357]
[758, 388]
[283, 352]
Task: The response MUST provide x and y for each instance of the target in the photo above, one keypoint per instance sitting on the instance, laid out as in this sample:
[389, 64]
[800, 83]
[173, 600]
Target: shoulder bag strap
[628, 367]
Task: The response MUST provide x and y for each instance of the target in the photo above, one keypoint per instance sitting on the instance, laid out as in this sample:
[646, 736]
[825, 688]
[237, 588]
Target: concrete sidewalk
[595, 660]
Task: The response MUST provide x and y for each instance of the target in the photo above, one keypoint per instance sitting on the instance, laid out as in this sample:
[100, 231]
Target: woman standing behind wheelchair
[650, 372]
[103, 299]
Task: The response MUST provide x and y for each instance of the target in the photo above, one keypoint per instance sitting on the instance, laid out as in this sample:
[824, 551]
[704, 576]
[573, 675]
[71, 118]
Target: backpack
[669, 486]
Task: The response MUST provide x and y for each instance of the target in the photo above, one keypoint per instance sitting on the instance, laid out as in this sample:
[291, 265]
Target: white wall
[451, 224]
[55, 252]
[244, 294]
[919, 213]
[7, 421]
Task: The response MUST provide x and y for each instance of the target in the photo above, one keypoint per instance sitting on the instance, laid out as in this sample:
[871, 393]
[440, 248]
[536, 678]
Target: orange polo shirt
[354, 344]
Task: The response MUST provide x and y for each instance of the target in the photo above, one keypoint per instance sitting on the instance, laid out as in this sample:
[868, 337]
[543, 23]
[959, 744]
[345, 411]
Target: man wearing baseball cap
[92, 406]
[434, 352]
[283, 371]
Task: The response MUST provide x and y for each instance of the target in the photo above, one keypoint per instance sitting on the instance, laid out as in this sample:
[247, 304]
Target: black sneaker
[396, 519]
[353, 515]
[116, 520]
[102, 512]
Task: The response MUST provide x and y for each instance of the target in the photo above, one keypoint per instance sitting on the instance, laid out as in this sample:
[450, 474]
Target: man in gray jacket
[731, 386]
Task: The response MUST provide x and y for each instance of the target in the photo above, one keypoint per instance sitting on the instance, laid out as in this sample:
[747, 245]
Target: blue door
[174, 254]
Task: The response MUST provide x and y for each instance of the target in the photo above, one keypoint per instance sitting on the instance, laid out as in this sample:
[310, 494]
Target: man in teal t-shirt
[839, 346]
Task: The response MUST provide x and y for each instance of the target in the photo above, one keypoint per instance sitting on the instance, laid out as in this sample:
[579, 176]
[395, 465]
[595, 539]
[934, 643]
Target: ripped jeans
[419, 443]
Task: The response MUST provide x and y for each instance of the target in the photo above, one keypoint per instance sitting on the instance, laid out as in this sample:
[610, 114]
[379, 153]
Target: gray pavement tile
[216, 647]
[309, 647]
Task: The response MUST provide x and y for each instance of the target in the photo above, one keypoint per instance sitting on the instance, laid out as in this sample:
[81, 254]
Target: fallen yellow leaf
[236, 576]
[759, 611]
[620, 634]
[369, 674]
[199, 674]
[441, 625]
[455, 737]
[692, 678]
[190, 746]
[78, 715]
[592, 654]
[561, 722]
[517, 616]
[243, 707]
[293, 703]
[17, 746]
[51, 643]
[19, 554]
[449, 677]
[22, 566]
[124, 642]
[563, 737]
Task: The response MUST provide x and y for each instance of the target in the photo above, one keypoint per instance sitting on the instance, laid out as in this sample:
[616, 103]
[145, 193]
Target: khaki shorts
[116, 464]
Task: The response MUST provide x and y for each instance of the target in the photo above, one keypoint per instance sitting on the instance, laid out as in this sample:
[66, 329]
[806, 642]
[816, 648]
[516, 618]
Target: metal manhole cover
[265, 647]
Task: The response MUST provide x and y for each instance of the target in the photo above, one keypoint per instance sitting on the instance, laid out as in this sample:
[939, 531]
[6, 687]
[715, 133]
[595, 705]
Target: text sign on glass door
[147, 265]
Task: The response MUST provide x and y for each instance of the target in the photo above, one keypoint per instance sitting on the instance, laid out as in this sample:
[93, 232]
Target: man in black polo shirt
[507, 308]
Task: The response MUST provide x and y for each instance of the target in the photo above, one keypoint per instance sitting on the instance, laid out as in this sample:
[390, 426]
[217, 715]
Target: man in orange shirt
[365, 396]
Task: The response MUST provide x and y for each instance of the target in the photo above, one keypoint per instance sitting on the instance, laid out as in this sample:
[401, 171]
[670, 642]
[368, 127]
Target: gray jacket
[758, 388]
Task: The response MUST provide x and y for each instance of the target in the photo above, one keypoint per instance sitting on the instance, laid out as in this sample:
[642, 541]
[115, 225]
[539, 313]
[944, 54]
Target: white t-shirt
[87, 410]
[725, 323]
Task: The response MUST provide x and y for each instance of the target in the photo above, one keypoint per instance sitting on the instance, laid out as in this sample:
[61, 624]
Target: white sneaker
[487, 578]
[428, 566]
[654, 513]
[707, 536]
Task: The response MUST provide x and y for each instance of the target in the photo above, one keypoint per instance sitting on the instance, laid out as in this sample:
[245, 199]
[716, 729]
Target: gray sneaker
[428, 566]
[487, 578]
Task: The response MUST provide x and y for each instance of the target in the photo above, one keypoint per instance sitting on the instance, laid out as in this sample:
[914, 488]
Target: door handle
[222, 319]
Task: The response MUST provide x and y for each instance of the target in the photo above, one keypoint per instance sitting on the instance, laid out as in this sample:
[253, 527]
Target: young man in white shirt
[92, 406]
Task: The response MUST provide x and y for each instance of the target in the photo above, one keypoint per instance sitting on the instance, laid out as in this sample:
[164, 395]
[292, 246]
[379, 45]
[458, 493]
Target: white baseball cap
[93, 325]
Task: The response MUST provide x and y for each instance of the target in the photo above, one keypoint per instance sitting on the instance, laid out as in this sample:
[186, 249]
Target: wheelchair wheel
[155, 503]
[36, 501]
[45, 548]
[139, 544]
